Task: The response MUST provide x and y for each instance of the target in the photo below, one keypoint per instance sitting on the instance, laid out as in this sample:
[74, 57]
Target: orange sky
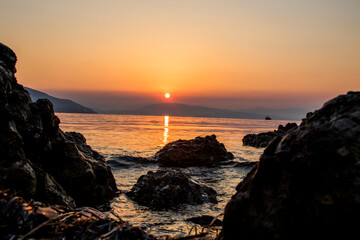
[186, 47]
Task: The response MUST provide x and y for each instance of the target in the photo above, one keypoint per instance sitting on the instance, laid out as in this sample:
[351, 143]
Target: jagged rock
[307, 182]
[166, 189]
[201, 151]
[37, 159]
[263, 139]
[35, 220]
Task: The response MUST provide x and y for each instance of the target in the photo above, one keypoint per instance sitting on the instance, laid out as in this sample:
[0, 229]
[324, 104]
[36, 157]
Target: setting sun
[167, 95]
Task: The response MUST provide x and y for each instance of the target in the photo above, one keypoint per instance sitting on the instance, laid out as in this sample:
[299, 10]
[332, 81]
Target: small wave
[123, 161]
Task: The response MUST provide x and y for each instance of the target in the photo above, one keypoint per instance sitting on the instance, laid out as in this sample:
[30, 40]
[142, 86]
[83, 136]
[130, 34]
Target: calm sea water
[122, 135]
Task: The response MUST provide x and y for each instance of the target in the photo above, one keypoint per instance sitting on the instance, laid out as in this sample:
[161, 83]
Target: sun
[167, 95]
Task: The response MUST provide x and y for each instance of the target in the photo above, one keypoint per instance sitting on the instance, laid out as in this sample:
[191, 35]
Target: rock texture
[307, 183]
[166, 189]
[201, 151]
[37, 159]
[34, 220]
[263, 139]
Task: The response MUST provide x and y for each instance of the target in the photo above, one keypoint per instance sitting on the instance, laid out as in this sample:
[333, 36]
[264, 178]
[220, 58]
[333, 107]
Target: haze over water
[125, 135]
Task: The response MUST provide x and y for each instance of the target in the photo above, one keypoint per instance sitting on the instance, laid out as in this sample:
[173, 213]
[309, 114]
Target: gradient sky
[258, 49]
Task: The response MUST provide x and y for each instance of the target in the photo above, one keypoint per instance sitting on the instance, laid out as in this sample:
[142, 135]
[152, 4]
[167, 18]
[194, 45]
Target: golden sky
[186, 47]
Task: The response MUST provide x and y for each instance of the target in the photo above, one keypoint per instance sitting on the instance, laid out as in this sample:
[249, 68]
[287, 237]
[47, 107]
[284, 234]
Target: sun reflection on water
[166, 130]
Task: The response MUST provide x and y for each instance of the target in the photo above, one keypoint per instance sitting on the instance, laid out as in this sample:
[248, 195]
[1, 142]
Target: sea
[120, 137]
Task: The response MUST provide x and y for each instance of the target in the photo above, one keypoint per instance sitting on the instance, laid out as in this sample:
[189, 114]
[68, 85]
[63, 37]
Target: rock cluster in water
[263, 139]
[166, 189]
[307, 182]
[37, 159]
[201, 151]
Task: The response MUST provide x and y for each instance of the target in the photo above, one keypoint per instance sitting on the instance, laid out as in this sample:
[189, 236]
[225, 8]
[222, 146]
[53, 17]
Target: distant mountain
[281, 113]
[177, 109]
[60, 105]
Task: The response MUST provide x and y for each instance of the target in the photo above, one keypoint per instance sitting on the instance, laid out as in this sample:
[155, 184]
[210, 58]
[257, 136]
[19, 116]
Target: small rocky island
[201, 151]
[263, 139]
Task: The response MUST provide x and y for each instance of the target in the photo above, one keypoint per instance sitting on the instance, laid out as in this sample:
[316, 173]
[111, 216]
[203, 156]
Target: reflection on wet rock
[201, 151]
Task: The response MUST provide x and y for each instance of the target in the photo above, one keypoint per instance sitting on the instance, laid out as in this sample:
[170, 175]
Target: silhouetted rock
[306, 183]
[263, 139]
[201, 151]
[37, 159]
[34, 220]
[166, 189]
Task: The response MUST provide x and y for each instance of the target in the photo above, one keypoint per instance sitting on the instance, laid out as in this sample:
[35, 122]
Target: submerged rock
[166, 189]
[307, 182]
[263, 139]
[37, 159]
[201, 151]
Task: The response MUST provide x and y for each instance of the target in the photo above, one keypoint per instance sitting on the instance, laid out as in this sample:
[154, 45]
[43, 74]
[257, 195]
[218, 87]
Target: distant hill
[60, 105]
[281, 113]
[177, 109]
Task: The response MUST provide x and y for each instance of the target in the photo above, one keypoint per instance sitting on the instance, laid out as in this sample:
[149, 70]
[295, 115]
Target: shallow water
[118, 135]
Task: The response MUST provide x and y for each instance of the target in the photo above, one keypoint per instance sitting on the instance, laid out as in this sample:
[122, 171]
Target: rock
[166, 189]
[263, 139]
[205, 220]
[307, 182]
[35, 220]
[37, 159]
[201, 151]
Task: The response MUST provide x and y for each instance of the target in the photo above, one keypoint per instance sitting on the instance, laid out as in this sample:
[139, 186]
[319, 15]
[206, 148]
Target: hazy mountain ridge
[60, 105]
[174, 109]
[182, 110]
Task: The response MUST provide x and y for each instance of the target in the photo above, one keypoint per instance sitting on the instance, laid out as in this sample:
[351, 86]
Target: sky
[230, 53]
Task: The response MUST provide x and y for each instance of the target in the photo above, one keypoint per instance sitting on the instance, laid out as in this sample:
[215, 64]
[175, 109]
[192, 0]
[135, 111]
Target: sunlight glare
[167, 95]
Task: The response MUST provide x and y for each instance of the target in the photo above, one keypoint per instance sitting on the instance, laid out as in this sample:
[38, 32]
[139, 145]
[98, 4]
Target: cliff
[37, 159]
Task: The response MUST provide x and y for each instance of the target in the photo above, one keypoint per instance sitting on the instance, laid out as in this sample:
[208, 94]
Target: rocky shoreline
[39, 160]
[306, 182]
[261, 140]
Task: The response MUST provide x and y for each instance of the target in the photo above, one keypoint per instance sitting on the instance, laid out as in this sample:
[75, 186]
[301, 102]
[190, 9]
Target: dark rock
[26, 220]
[166, 189]
[205, 220]
[263, 139]
[36, 158]
[201, 151]
[306, 183]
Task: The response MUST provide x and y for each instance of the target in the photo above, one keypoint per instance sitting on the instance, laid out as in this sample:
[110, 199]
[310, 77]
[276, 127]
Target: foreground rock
[263, 139]
[34, 220]
[37, 159]
[307, 183]
[166, 189]
[201, 151]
